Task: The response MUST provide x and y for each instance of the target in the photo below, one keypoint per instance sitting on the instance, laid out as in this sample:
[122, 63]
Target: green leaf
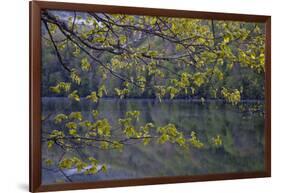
[147, 127]
[75, 77]
[93, 170]
[181, 141]
[76, 116]
[93, 161]
[66, 163]
[229, 66]
[50, 144]
[72, 131]
[163, 138]
[218, 73]
[55, 89]
[122, 39]
[71, 125]
[61, 87]
[220, 61]
[52, 28]
[49, 162]
[74, 96]
[129, 131]
[103, 168]
[101, 91]
[121, 92]
[194, 141]
[56, 134]
[117, 145]
[95, 113]
[153, 20]
[103, 127]
[85, 65]
[133, 114]
[104, 145]
[146, 141]
[232, 96]
[60, 117]
[86, 124]
[153, 53]
[93, 97]
[173, 91]
[226, 39]
[217, 140]
[99, 39]
[198, 78]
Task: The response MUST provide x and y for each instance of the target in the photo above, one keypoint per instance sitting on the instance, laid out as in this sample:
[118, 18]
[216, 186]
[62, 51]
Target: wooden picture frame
[36, 8]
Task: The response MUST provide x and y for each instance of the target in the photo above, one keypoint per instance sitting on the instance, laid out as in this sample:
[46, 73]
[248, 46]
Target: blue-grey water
[241, 128]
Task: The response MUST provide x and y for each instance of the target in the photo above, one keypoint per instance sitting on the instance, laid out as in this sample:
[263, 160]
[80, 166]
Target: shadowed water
[241, 129]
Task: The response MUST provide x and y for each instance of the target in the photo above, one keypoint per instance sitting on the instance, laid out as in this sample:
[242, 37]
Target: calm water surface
[242, 134]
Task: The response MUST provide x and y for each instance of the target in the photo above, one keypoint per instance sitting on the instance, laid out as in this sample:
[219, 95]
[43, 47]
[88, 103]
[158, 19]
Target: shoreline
[156, 100]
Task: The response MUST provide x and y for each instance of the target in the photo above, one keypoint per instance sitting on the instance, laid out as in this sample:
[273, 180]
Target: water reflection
[242, 133]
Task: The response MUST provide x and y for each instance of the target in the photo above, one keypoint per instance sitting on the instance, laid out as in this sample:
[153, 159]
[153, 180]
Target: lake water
[241, 129]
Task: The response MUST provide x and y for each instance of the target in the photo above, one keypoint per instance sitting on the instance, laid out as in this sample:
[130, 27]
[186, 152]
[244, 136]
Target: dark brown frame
[35, 8]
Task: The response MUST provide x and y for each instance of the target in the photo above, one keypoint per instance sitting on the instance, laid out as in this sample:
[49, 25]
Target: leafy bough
[201, 56]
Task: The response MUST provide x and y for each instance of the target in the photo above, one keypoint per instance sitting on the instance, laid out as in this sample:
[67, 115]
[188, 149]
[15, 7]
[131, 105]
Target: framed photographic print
[123, 96]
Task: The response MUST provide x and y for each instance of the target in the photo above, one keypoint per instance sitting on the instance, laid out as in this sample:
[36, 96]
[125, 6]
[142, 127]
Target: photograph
[131, 96]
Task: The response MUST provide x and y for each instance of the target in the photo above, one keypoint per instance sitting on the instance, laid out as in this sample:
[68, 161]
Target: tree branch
[56, 48]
